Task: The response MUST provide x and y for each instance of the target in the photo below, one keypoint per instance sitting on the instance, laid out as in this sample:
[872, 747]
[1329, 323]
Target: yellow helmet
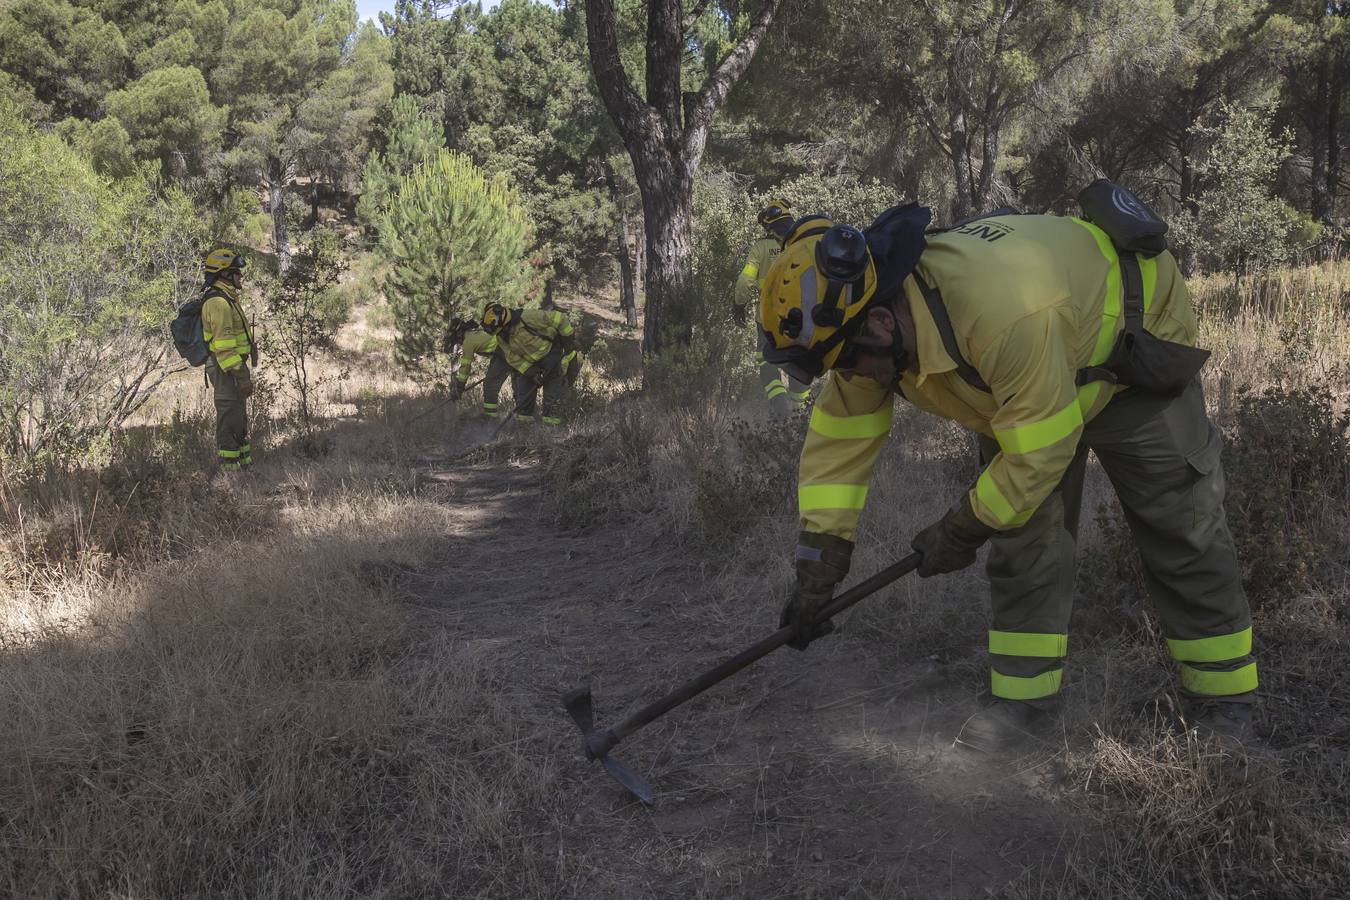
[496, 317]
[814, 296]
[222, 260]
[775, 210]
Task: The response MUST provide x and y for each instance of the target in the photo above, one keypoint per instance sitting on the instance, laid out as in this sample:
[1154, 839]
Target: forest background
[386, 178]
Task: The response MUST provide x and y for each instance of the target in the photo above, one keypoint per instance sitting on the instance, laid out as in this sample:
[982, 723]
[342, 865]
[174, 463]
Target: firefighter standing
[230, 341]
[776, 220]
[1006, 325]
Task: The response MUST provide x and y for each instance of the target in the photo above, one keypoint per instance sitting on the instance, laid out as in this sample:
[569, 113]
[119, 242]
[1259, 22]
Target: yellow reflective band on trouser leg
[1010, 687]
[869, 425]
[228, 454]
[551, 420]
[831, 496]
[1219, 648]
[1027, 643]
[774, 389]
[1219, 684]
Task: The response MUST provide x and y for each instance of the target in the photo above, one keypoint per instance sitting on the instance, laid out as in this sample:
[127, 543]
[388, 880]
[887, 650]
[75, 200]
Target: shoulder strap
[1132, 280]
[938, 310]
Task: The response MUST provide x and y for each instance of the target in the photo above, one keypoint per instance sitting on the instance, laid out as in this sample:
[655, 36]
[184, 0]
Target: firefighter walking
[227, 336]
[1048, 339]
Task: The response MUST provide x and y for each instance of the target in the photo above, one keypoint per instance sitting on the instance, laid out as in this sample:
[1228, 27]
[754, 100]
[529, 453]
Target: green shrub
[90, 269]
[1287, 464]
[754, 475]
[1287, 459]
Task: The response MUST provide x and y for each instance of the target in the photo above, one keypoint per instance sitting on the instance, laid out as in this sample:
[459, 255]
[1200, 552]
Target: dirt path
[825, 774]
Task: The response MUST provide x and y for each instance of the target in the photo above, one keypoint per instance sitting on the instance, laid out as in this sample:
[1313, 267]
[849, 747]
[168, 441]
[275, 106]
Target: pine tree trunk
[628, 270]
[668, 213]
[276, 207]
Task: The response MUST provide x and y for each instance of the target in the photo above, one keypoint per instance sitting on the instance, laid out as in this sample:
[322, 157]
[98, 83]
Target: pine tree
[458, 242]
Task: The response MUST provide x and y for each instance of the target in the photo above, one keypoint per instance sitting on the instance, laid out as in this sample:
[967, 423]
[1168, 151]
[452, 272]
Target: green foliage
[1287, 459]
[514, 91]
[1239, 224]
[410, 139]
[168, 116]
[104, 143]
[1287, 464]
[88, 271]
[459, 242]
[304, 310]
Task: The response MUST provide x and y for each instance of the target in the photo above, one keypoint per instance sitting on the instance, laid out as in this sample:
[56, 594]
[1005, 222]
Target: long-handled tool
[599, 742]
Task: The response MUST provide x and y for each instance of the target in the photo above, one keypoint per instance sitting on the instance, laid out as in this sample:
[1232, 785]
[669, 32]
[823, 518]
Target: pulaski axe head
[578, 704]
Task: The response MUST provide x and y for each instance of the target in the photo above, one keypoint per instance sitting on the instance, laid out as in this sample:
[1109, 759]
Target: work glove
[949, 544]
[739, 314]
[456, 390]
[243, 381]
[822, 562]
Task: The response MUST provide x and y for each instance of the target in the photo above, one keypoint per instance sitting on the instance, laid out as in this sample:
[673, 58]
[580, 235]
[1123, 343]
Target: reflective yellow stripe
[206, 335]
[245, 448]
[1027, 643]
[1148, 268]
[231, 361]
[1010, 687]
[1088, 394]
[228, 454]
[831, 496]
[869, 425]
[992, 499]
[1106, 334]
[1038, 435]
[487, 405]
[1212, 649]
[774, 389]
[223, 344]
[1219, 684]
[750, 270]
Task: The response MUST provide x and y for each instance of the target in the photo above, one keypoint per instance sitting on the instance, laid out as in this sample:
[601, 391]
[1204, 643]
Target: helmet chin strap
[896, 351]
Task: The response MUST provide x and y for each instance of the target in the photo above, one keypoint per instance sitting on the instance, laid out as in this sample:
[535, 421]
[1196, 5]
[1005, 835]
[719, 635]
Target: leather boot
[1006, 725]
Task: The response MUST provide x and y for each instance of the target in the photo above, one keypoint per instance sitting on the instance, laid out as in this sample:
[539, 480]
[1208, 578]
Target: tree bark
[276, 207]
[665, 135]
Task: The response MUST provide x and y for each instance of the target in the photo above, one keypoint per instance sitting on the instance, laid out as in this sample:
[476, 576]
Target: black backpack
[186, 329]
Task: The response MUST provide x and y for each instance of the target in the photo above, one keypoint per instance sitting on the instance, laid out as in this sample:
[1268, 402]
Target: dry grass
[217, 687]
[221, 688]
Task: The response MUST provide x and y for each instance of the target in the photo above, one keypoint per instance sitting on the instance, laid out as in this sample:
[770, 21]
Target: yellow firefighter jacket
[762, 254]
[529, 340]
[475, 342]
[224, 329]
[1031, 299]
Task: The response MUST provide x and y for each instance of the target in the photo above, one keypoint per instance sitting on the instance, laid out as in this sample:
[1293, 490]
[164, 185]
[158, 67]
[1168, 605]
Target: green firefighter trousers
[232, 446]
[782, 400]
[555, 390]
[497, 372]
[1162, 457]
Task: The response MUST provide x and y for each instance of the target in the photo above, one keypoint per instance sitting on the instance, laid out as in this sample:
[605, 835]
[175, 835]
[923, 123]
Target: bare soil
[829, 773]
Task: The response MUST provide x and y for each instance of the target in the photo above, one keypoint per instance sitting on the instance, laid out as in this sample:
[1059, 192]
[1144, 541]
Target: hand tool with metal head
[580, 706]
